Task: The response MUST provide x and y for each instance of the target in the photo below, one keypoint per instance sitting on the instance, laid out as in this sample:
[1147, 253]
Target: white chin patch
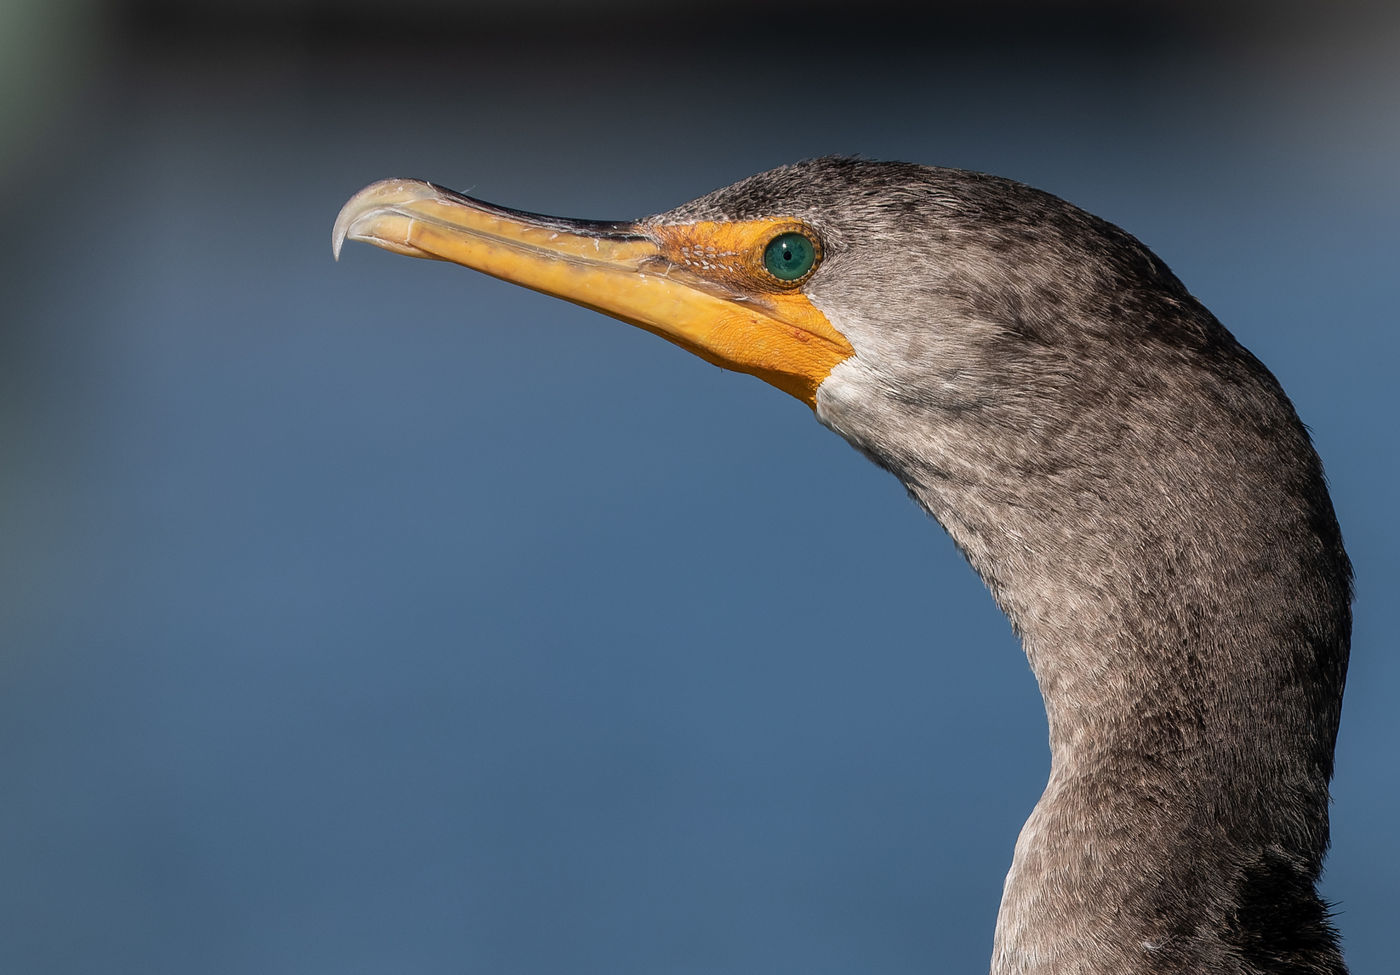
[842, 393]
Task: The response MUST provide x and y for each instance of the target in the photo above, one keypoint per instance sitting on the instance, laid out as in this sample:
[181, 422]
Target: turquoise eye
[790, 256]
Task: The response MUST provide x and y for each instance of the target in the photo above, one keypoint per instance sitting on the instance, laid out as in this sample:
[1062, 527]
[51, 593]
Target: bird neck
[1172, 836]
[1192, 684]
[1157, 528]
[1184, 603]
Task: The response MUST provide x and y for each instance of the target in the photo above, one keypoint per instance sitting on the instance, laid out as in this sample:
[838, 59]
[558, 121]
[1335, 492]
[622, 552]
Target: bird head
[1002, 352]
[876, 293]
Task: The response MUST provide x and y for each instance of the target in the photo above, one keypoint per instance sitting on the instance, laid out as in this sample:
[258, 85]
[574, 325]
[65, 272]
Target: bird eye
[790, 256]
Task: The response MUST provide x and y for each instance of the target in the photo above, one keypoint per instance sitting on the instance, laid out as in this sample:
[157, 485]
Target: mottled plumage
[1141, 498]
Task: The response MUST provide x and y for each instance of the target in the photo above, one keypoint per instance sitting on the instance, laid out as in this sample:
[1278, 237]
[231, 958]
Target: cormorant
[1133, 486]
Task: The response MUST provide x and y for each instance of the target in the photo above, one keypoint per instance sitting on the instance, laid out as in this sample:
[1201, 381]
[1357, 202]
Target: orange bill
[701, 285]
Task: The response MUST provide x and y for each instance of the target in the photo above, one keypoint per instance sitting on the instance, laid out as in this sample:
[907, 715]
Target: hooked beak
[642, 273]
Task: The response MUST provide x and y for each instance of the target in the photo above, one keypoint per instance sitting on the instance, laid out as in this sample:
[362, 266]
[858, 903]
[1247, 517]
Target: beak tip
[382, 195]
[353, 209]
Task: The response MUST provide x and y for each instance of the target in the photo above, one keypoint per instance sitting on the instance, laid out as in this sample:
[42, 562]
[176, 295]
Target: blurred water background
[381, 617]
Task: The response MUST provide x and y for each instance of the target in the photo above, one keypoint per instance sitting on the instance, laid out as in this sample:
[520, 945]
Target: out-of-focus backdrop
[381, 617]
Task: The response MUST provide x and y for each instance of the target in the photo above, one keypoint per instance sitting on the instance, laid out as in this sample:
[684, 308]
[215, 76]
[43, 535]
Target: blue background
[381, 617]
